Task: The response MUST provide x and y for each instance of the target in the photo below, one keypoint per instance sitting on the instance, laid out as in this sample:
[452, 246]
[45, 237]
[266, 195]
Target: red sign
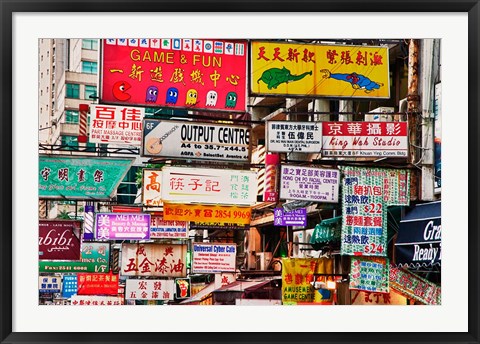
[184, 73]
[97, 284]
[59, 239]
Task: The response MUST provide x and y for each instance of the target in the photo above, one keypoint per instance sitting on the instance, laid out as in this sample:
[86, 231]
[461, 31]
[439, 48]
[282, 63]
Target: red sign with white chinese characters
[167, 260]
[59, 240]
[97, 284]
[184, 73]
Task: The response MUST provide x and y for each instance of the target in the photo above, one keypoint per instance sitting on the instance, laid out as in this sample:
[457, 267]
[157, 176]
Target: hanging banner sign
[97, 284]
[415, 287]
[288, 137]
[49, 284]
[377, 299]
[122, 226]
[59, 239]
[183, 73]
[81, 178]
[369, 274]
[217, 225]
[116, 124]
[319, 70]
[69, 286]
[151, 289]
[166, 260]
[182, 288]
[212, 214]
[161, 228]
[212, 258]
[208, 185]
[309, 184]
[95, 257]
[152, 188]
[296, 217]
[86, 300]
[196, 140]
[270, 193]
[365, 139]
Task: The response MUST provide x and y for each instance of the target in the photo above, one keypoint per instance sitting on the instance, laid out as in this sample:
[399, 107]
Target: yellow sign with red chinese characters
[298, 274]
[320, 70]
[207, 213]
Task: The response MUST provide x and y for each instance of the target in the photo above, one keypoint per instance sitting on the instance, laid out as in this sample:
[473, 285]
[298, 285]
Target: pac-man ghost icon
[211, 98]
[152, 94]
[191, 97]
[172, 95]
[231, 100]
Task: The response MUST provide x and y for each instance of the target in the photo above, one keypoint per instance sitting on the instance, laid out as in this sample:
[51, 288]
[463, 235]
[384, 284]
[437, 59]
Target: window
[73, 91]
[71, 116]
[70, 141]
[90, 44]
[89, 67]
[90, 91]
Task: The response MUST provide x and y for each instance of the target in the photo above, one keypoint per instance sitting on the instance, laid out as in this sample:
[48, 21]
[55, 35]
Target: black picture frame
[9, 7]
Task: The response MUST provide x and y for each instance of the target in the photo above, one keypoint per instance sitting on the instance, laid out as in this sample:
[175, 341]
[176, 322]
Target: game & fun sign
[196, 140]
[365, 139]
[213, 214]
[213, 258]
[309, 184]
[319, 70]
[122, 226]
[151, 289]
[184, 73]
[286, 137]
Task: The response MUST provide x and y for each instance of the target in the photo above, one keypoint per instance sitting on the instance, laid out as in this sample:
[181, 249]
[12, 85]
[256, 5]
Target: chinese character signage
[218, 225]
[319, 70]
[196, 140]
[287, 137]
[309, 184]
[182, 288]
[69, 286]
[122, 226]
[365, 139]
[166, 260]
[415, 287]
[377, 299]
[208, 185]
[212, 214]
[97, 284]
[81, 178]
[152, 188]
[95, 257]
[116, 124]
[212, 258]
[184, 73]
[151, 289]
[164, 229]
[49, 284]
[59, 239]
[296, 217]
[369, 274]
[93, 300]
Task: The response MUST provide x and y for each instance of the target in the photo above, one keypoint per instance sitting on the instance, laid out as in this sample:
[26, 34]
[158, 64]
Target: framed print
[206, 83]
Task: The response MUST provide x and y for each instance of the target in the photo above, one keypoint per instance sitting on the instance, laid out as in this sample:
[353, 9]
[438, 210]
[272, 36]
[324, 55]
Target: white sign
[92, 300]
[286, 136]
[196, 140]
[116, 124]
[49, 284]
[142, 289]
[212, 258]
[309, 184]
[160, 228]
[152, 188]
[209, 186]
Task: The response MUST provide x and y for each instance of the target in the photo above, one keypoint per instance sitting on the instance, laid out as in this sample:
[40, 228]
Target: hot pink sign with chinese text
[167, 260]
[184, 73]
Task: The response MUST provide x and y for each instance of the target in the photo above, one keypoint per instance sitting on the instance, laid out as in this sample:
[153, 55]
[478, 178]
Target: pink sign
[122, 226]
[185, 73]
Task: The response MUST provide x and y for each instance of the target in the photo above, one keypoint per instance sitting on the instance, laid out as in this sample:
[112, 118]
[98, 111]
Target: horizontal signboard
[207, 213]
[309, 184]
[151, 289]
[94, 300]
[217, 225]
[167, 229]
[286, 137]
[196, 140]
[208, 185]
[184, 73]
[365, 139]
[59, 239]
[212, 258]
[296, 217]
[97, 284]
[122, 226]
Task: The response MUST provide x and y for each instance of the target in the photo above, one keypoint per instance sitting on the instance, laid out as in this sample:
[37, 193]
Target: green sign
[80, 177]
[95, 258]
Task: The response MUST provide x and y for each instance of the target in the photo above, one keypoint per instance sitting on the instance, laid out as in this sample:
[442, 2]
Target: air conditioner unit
[380, 114]
[298, 240]
[263, 260]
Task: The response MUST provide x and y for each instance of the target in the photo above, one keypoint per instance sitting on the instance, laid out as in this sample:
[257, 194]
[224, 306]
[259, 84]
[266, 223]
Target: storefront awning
[327, 232]
[419, 241]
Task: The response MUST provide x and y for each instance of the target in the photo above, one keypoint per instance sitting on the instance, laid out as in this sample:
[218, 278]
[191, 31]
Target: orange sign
[207, 213]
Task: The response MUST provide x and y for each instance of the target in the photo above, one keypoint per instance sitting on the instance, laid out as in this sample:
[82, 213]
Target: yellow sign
[297, 276]
[207, 213]
[320, 70]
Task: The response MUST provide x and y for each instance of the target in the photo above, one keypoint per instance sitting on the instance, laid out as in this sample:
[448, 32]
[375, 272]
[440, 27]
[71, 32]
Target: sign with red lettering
[182, 73]
[87, 300]
[141, 289]
[365, 139]
[152, 188]
[166, 260]
[116, 124]
[97, 284]
[59, 239]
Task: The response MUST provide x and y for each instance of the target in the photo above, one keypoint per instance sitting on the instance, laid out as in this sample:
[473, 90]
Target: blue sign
[69, 286]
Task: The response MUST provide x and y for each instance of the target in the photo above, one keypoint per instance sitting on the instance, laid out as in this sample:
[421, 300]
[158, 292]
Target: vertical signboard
[59, 239]
[437, 108]
[369, 274]
[206, 74]
[152, 188]
[69, 286]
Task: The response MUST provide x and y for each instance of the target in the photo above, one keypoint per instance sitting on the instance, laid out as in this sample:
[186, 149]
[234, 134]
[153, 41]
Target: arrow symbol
[131, 235]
